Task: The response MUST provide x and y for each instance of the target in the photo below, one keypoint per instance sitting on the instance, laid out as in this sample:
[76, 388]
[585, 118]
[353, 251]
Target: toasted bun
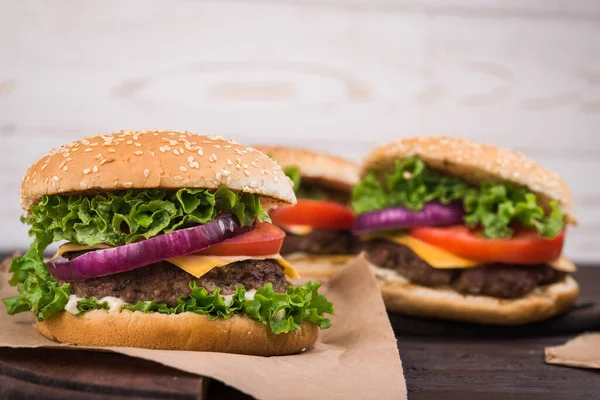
[544, 302]
[155, 159]
[475, 162]
[186, 331]
[317, 266]
[324, 168]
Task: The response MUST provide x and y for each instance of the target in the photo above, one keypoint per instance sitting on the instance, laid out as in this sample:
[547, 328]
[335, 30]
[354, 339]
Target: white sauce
[250, 294]
[115, 305]
[71, 306]
[228, 299]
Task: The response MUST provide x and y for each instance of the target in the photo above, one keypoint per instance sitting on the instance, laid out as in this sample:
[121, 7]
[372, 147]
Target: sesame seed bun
[402, 296]
[474, 162]
[155, 159]
[185, 331]
[322, 168]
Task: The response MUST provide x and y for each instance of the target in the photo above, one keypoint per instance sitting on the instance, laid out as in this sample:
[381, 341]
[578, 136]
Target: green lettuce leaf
[492, 206]
[114, 218]
[293, 173]
[283, 312]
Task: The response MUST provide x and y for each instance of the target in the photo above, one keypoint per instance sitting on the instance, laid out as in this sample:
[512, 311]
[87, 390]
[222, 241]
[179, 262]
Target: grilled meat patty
[321, 241]
[497, 280]
[164, 282]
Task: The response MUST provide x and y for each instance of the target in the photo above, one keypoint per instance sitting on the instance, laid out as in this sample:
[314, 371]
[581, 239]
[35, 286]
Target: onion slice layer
[135, 255]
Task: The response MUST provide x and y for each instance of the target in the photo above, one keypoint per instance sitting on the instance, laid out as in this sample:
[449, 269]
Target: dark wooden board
[442, 367]
[72, 374]
[584, 317]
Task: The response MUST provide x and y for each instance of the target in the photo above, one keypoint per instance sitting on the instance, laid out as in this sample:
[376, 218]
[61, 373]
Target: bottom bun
[404, 297]
[317, 266]
[186, 331]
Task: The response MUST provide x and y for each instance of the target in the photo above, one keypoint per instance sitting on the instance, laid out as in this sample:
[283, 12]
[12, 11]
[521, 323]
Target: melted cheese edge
[442, 259]
[194, 264]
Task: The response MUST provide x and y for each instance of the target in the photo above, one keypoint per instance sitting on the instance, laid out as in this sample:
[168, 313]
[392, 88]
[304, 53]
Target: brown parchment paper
[357, 358]
[583, 351]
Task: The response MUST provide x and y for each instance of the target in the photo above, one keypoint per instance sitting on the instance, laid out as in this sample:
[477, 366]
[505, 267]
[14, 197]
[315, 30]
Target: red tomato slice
[525, 247]
[318, 214]
[264, 240]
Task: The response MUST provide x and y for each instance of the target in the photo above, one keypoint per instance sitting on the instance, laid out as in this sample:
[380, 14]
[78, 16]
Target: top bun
[324, 168]
[155, 159]
[474, 162]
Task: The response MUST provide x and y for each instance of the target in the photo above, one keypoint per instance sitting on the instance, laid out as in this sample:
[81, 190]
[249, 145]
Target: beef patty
[163, 282]
[497, 280]
[321, 242]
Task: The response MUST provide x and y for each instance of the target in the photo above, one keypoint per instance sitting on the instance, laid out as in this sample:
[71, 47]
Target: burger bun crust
[155, 160]
[544, 302]
[185, 331]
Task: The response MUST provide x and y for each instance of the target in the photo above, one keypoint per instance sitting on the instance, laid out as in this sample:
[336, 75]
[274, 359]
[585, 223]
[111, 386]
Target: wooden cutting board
[75, 374]
[585, 316]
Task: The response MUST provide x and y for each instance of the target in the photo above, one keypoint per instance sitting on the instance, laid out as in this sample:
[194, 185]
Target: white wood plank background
[338, 75]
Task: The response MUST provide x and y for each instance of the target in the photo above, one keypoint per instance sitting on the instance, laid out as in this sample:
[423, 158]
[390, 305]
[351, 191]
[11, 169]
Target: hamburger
[318, 228]
[167, 244]
[465, 231]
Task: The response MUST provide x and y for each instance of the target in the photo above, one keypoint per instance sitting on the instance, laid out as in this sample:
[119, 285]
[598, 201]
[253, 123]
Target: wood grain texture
[341, 75]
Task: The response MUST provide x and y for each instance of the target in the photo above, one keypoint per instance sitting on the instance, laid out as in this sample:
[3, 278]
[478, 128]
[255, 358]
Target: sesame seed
[127, 184]
[173, 142]
[135, 137]
[111, 150]
[229, 162]
[162, 149]
[190, 158]
[164, 139]
[228, 180]
[85, 141]
[167, 148]
[88, 149]
[182, 168]
[109, 160]
[226, 173]
[102, 162]
[44, 166]
[200, 152]
[178, 178]
[153, 153]
[181, 150]
[207, 141]
[69, 159]
[95, 169]
[65, 168]
[82, 185]
[55, 178]
[253, 184]
[98, 156]
[227, 146]
[138, 144]
[246, 172]
[263, 172]
[62, 164]
[218, 176]
[216, 146]
[176, 152]
[146, 172]
[138, 153]
[238, 151]
[212, 158]
[94, 144]
[86, 171]
[129, 142]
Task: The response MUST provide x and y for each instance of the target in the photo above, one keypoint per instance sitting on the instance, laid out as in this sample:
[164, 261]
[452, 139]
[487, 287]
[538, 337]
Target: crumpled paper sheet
[583, 351]
[357, 358]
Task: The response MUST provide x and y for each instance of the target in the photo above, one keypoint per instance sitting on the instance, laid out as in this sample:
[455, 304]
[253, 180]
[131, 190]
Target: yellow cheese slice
[434, 256]
[442, 259]
[192, 264]
[300, 230]
[200, 265]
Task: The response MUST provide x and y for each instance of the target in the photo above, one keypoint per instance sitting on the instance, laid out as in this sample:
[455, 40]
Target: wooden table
[435, 368]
